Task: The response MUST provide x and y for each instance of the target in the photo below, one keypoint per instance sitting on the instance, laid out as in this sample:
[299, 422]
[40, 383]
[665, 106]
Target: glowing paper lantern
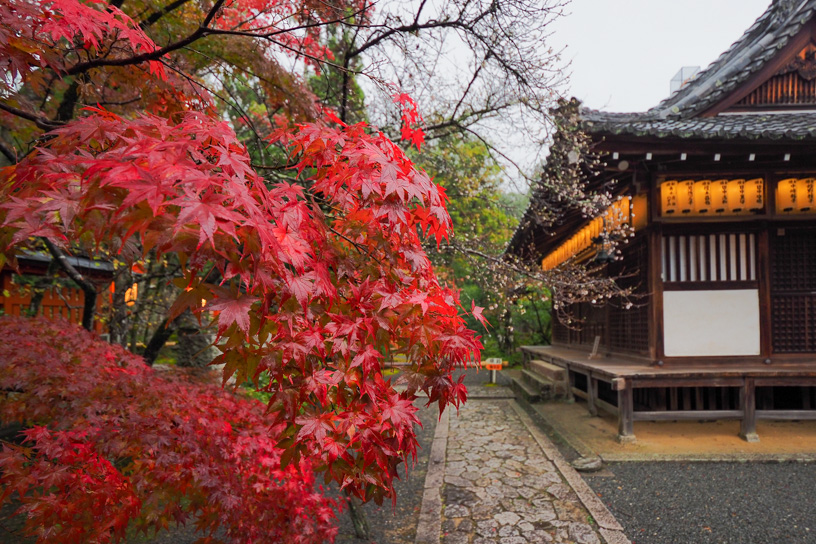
[719, 195]
[804, 195]
[754, 194]
[685, 196]
[786, 195]
[702, 196]
[668, 197]
[640, 212]
[736, 196]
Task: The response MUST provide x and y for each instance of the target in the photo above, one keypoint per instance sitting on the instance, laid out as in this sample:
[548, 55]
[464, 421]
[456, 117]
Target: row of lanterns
[734, 197]
[723, 196]
[795, 196]
[626, 211]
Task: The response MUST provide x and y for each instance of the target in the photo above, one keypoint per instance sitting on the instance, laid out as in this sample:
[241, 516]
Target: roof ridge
[771, 31]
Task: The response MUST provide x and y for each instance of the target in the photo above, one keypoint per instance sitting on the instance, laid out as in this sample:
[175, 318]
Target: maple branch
[232, 105]
[65, 111]
[87, 287]
[357, 246]
[156, 54]
[41, 122]
[156, 15]
[202, 31]
[157, 341]
[8, 153]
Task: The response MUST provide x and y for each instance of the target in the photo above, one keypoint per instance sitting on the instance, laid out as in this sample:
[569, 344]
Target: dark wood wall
[622, 323]
[793, 289]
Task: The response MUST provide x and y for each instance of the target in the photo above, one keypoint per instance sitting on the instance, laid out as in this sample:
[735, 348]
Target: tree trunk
[38, 290]
[118, 326]
[89, 311]
[194, 347]
[160, 336]
[358, 517]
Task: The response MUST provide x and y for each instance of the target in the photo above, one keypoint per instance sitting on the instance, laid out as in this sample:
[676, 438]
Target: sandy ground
[679, 440]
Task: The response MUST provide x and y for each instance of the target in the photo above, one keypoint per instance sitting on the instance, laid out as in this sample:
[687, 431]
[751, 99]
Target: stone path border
[430, 515]
[429, 527]
[610, 529]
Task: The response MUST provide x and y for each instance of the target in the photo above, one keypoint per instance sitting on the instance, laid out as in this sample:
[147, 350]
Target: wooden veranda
[636, 390]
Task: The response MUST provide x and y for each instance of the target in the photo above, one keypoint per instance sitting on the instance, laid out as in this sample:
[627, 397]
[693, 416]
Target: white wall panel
[711, 323]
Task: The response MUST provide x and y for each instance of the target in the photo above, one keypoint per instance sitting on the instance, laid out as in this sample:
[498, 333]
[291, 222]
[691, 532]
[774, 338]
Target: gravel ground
[745, 503]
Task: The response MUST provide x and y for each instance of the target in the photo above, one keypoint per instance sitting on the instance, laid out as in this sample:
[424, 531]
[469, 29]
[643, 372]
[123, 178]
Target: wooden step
[550, 371]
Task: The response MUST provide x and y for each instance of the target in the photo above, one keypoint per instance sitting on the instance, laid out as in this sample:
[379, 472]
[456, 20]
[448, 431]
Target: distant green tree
[484, 216]
[339, 89]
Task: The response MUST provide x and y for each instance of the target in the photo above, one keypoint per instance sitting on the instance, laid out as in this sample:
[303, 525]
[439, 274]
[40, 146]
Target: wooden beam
[655, 285]
[568, 384]
[786, 415]
[680, 381]
[679, 415]
[610, 408]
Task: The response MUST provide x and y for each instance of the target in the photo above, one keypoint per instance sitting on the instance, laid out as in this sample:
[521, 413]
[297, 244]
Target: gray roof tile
[794, 126]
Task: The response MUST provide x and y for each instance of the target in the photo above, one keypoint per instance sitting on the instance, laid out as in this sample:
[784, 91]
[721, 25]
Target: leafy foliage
[314, 298]
[313, 283]
[113, 444]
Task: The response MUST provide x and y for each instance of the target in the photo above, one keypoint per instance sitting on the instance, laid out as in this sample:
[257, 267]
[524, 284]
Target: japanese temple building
[718, 183]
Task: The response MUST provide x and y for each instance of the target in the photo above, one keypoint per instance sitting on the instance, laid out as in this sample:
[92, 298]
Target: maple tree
[111, 445]
[313, 281]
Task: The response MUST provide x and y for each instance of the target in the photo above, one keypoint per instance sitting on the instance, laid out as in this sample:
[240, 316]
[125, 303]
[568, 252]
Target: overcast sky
[624, 53]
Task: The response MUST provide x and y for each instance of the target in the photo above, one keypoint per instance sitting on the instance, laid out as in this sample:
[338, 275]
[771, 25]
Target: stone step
[536, 380]
[550, 371]
[524, 390]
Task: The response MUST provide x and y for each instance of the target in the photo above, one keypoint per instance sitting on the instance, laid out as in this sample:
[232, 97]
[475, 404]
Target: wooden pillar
[626, 433]
[592, 390]
[568, 394]
[748, 407]
[656, 290]
[764, 281]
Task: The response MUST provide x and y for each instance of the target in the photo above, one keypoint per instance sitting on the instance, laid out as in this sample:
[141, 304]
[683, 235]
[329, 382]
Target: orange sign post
[493, 364]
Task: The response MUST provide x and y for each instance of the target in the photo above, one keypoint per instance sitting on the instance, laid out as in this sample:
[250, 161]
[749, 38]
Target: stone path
[494, 478]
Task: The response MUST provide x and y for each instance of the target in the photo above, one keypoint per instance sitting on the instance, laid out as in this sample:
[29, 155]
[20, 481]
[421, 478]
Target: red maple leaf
[232, 310]
[476, 311]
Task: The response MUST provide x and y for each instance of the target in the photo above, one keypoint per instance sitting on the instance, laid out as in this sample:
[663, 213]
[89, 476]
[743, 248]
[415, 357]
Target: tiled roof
[678, 115]
[770, 33]
[781, 126]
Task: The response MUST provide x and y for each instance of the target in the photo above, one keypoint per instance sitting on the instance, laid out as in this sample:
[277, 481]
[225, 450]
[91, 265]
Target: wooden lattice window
[793, 262]
[560, 332]
[629, 325]
[793, 290]
[706, 258]
[622, 327]
[794, 323]
[588, 321]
